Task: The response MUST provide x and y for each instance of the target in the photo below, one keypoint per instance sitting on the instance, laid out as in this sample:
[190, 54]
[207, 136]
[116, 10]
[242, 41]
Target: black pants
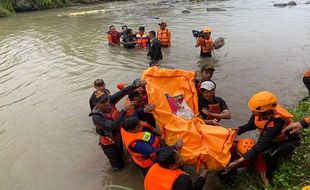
[306, 81]
[114, 154]
[206, 54]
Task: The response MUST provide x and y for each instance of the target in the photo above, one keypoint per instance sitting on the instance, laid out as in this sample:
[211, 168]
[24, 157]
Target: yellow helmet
[263, 101]
[244, 145]
[207, 30]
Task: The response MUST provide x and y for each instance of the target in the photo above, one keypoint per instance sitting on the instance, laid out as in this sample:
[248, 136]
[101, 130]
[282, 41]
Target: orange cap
[263, 101]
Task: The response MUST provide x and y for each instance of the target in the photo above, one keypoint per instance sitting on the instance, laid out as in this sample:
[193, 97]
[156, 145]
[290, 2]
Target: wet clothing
[113, 37]
[216, 105]
[305, 122]
[164, 36]
[183, 182]
[155, 50]
[267, 139]
[142, 40]
[146, 117]
[207, 47]
[129, 41]
[108, 126]
[93, 98]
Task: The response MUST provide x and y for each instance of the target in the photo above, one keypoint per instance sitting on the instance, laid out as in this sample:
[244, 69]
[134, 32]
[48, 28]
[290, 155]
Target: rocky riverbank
[8, 7]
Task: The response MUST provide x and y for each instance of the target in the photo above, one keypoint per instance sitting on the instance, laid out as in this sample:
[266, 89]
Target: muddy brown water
[49, 60]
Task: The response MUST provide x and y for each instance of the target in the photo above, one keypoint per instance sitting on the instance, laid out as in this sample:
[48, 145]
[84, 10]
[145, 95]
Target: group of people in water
[134, 126]
[155, 41]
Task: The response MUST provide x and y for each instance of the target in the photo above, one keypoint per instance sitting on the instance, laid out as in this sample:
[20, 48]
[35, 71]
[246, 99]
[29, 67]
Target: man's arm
[247, 127]
[106, 125]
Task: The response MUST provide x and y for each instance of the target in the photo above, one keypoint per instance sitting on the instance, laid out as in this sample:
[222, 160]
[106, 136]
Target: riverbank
[9, 7]
[292, 173]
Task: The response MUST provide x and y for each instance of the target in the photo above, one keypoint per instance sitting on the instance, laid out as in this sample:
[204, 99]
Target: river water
[49, 60]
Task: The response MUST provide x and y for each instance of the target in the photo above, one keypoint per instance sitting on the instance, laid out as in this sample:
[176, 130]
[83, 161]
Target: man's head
[207, 89]
[102, 101]
[154, 63]
[124, 28]
[207, 72]
[112, 28]
[99, 84]
[132, 124]
[206, 33]
[136, 97]
[152, 34]
[169, 158]
[141, 29]
[162, 25]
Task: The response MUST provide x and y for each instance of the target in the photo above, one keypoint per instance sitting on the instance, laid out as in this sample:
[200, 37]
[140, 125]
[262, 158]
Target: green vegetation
[292, 174]
[6, 7]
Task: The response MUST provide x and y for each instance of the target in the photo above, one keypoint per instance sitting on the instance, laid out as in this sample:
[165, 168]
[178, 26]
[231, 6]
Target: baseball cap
[207, 85]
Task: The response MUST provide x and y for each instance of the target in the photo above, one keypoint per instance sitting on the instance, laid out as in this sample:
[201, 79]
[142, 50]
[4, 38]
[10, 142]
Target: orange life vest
[207, 46]
[307, 73]
[214, 108]
[142, 40]
[307, 119]
[159, 178]
[130, 140]
[164, 37]
[112, 115]
[280, 112]
[113, 37]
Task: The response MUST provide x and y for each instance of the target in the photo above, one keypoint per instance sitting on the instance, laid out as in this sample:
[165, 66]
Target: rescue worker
[306, 80]
[99, 85]
[164, 35]
[240, 148]
[124, 30]
[154, 47]
[295, 127]
[167, 175]
[113, 36]
[141, 38]
[141, 109]
[107, 120]
[270, 118]
[206, 73]
[128, 39]
[205, 42]
[141, 141]
[211, 108]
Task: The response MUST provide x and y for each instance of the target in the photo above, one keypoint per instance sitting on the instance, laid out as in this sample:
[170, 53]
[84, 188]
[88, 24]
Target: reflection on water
[48, 62]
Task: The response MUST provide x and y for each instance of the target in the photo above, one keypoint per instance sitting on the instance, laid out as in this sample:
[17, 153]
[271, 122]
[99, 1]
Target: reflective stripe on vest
[159, 178]
[281, 113]
[207, 47]
[142, 40]
[163, 37]
[130, 140]
[214, 108]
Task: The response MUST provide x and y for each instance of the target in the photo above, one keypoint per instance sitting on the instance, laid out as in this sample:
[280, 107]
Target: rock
[215, 9]
[23, 5]
[291, 3]
[307, 2]
[280, 5]
[185, 12]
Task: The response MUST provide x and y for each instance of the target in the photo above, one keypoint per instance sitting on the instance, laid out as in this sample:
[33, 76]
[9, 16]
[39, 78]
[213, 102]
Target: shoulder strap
[265, 126]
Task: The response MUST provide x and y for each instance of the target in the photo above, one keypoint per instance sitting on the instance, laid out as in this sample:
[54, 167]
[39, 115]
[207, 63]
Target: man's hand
[141, 83]
[130, 106]
[149, 108]
[179, 143]
[293, 128]
[232, 165]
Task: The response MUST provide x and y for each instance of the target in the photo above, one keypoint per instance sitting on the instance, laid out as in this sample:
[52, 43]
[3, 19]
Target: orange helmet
[244, 145]
[207, 30]
[263, 101]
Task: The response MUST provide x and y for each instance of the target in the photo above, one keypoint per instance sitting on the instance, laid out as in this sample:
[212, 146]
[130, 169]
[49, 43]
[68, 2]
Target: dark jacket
[155, 50]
